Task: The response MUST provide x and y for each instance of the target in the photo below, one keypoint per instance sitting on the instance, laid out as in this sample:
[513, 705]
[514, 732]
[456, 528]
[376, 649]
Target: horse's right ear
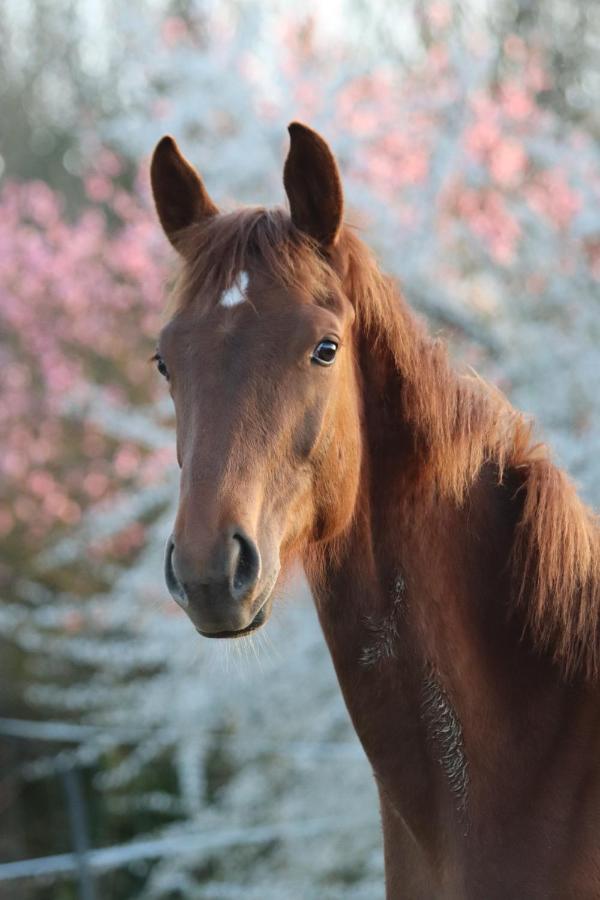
[179, 194]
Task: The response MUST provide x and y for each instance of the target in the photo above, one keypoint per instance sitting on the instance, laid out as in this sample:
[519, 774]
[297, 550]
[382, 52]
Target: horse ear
[313, 185]
[179, 194]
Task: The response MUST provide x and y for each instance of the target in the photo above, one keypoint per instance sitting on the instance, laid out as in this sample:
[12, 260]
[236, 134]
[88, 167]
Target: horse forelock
[216, 251]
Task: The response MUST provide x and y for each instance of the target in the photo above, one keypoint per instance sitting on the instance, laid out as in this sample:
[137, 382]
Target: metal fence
[84, 864]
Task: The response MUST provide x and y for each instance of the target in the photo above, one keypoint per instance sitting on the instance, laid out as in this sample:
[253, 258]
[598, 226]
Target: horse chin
[257, 622]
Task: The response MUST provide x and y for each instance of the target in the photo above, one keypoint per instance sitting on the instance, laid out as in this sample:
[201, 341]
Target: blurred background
[137, 761]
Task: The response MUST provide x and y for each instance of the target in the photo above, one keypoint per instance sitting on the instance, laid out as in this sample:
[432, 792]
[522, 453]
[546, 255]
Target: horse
[455, 571]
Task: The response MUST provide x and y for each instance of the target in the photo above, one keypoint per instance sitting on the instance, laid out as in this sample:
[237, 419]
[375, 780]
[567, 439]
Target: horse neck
[400, 595]
[417, 543]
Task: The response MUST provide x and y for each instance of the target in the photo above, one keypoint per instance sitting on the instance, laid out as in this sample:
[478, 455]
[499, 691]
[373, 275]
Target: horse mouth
[259, 619]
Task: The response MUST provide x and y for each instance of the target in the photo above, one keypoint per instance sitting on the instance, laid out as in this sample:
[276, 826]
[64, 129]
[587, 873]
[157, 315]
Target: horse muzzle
[227, 596]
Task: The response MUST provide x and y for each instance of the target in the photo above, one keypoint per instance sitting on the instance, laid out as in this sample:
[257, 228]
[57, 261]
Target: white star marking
[236, 294]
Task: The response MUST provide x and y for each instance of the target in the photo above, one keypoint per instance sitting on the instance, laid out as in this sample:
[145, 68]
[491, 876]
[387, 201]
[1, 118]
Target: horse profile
[455, 572]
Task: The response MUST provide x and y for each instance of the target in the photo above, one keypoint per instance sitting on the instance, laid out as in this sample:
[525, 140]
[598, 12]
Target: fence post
[79, 831]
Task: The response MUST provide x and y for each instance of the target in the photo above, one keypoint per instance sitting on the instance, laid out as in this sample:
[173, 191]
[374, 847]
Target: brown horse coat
[455, 571]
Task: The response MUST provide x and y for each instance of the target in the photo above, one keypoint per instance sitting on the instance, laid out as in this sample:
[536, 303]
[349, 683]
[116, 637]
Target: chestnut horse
[455, 572]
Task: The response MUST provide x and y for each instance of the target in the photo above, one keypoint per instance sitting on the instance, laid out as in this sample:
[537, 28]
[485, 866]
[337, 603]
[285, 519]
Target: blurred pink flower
[95, 484]
[516, 101]
[508, 162]
[41, 483]
[439, 14]
[126, 460]
[551, 196]
[174, 30]
[482, 138]
[487, 215]
[98, 188]
[108, 163]
[515, 47]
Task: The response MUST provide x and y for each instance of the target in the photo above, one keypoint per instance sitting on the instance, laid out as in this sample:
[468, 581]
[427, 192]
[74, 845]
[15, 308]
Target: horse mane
[458, 421]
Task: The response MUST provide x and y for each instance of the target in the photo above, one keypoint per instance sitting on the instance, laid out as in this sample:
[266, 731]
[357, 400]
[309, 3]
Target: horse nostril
[225, 580]
[173, 584]
[246, 566]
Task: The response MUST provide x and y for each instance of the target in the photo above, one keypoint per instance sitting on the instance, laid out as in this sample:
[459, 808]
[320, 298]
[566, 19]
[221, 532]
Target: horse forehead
[264, 293]
[253, 307]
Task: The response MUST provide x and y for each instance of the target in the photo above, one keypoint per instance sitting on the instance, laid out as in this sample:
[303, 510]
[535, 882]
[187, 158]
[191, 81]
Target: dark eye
[161, 366]
[324, 353]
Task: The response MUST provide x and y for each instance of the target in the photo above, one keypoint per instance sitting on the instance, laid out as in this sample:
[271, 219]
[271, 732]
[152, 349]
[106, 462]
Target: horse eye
[161, 366]
[324, 353]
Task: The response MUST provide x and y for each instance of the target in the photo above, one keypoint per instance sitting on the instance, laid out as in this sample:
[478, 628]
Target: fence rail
[84, 862]
[186, 842]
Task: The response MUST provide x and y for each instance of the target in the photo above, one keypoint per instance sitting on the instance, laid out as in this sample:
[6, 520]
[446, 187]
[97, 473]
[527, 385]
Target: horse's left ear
[179, 193]
[313, 185]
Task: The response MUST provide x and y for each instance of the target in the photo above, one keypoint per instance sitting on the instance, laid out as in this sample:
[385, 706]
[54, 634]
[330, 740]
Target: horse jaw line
[236, 294]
